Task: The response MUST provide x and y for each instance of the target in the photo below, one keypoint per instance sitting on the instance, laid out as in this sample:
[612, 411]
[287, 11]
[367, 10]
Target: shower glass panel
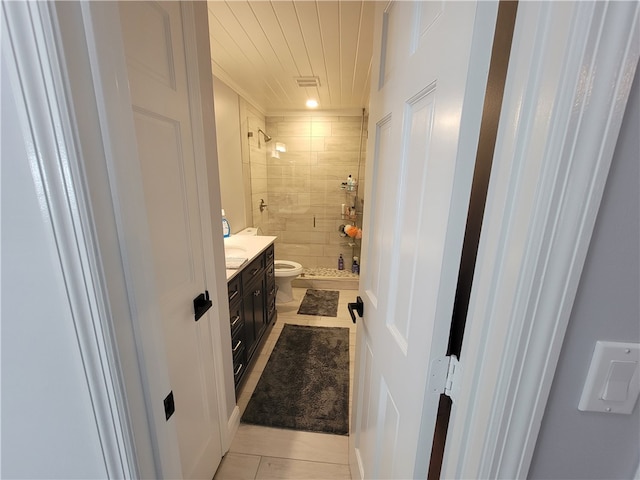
[304, 186]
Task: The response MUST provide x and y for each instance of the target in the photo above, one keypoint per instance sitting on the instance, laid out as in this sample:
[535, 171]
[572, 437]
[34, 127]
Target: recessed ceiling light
[312, 103]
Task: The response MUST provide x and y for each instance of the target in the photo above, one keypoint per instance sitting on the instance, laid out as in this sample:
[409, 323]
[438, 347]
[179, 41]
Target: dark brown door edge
[505, 24]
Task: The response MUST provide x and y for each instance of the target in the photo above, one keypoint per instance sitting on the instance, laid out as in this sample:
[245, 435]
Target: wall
[254, 158]
[304, 187]
[48, 426]
[227, 114]
[588, 445]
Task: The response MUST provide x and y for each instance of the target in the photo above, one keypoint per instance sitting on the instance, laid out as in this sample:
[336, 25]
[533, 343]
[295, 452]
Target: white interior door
[155, 52]
[425, 63]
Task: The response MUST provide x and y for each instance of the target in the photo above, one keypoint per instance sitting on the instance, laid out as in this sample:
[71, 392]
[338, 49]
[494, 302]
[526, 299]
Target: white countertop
[245, 246]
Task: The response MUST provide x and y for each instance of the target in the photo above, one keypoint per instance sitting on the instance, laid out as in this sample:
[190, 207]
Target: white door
[413, 232]
[155, 52]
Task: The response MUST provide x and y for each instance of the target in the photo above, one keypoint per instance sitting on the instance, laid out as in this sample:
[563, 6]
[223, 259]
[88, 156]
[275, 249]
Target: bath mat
[320, 302]
[305, 384]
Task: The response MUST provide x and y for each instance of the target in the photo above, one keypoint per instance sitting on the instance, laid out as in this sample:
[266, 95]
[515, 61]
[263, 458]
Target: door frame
[77, 113]
[108, 72]
[564, 101]
[522, 307]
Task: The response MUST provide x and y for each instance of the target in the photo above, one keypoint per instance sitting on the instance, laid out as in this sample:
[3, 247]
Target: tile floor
[271, 453]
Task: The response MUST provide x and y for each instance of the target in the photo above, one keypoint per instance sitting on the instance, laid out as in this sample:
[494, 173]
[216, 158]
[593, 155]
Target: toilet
[286, 272]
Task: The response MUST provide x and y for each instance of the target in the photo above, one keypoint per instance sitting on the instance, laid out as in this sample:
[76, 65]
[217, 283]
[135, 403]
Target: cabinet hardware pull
[254, 271]
[236, 319]
[234, 294]
[235, 349]
[256, 293]
[235, 374]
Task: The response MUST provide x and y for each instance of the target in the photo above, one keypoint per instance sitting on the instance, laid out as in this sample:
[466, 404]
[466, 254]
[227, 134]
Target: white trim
[213, 247]
[91, 32]
[324, 112]
[47, 125]
[224, 77]
[320, 112]
[234, 423]
[564, 100]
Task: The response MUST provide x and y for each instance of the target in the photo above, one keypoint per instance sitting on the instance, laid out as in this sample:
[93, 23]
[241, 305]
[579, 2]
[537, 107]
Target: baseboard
[232, 427]
[326, 283]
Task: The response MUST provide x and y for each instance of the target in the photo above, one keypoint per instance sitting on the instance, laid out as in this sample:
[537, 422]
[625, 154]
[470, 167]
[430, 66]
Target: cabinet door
[260, 309]
[249, 328]
[254, 313]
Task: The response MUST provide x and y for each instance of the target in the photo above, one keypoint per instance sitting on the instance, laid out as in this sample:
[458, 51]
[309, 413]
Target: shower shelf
[350, 244]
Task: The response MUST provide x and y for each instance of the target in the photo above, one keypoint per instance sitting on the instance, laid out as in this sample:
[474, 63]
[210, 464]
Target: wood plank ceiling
[260, 49]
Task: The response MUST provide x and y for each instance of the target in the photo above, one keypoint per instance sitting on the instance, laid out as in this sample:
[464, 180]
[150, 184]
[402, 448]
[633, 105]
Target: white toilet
[286, 271]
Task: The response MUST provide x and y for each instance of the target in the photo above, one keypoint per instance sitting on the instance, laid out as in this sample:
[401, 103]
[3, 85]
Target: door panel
[372, 276]
[413, 207]
[165, 186]
[149, 28]
[390, 425]
[407, 285]
[157, 67]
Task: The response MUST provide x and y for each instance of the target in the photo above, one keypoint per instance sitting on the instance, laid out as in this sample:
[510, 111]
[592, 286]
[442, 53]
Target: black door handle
[201, 304]
[358, 306]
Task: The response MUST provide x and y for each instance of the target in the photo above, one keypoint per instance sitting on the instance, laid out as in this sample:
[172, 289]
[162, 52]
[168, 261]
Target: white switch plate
[612, 375]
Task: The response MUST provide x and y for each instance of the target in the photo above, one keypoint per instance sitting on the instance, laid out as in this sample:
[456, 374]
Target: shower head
[267, 138]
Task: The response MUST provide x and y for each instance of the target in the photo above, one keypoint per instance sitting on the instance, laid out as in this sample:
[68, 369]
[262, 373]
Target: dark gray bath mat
[320, 302]
[305, 384]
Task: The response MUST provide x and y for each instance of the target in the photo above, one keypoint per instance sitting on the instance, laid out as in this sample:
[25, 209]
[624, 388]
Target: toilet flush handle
[263, 206]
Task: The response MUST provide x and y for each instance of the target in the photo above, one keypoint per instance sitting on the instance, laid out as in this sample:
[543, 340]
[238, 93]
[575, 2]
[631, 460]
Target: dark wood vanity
[252, 309]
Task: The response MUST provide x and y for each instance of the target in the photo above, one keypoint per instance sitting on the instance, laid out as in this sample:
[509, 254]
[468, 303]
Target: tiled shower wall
[254, 165]
[304, 187]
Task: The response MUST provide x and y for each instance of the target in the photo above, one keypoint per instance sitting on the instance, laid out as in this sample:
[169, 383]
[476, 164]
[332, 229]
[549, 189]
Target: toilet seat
[286, 268]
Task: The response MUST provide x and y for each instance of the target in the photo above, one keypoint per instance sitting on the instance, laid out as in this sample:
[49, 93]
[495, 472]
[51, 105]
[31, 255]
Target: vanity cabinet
[251, 309]
[270, 285]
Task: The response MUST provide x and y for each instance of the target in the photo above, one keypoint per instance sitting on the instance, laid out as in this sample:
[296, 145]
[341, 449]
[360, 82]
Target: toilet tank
[251, 231]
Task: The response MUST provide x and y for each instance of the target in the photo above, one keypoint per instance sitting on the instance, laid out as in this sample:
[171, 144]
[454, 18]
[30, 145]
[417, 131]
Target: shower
[267, 138]
[303, 185]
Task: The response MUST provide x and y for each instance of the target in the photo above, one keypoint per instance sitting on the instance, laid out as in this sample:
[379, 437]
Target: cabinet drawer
[237, 349]
[254, 270]
[237, 326]
[270, 274]
[271, 309]
[238, 371]
[271, 291]
[233, 289]
[268, 255]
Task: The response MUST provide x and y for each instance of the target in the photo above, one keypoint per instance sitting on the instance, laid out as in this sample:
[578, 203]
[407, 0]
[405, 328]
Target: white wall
[227, 111]
[48, 427]
[588, 445]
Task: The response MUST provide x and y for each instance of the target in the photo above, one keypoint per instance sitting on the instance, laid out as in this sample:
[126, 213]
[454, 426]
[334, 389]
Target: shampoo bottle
[355, 266]
[340, 262]
[226, 229]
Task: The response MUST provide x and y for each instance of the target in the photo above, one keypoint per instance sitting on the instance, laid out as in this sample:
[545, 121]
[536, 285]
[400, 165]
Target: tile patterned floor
[258, 453]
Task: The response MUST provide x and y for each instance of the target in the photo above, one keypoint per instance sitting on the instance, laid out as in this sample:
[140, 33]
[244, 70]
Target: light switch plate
[613, 381]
